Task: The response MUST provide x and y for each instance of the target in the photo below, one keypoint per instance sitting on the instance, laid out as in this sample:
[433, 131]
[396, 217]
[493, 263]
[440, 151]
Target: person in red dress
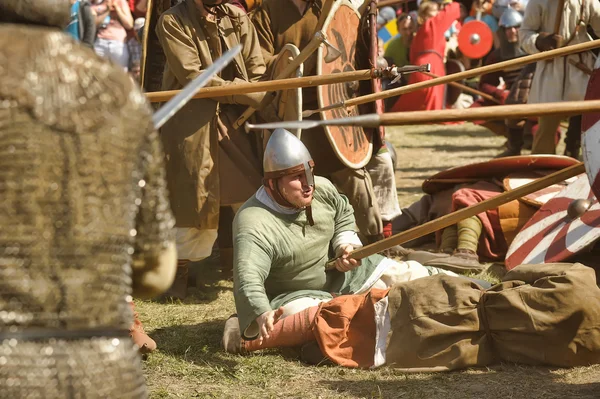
[428, 46]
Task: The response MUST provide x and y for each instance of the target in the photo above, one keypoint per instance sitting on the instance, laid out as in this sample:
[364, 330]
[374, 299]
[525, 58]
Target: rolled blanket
[539, 315]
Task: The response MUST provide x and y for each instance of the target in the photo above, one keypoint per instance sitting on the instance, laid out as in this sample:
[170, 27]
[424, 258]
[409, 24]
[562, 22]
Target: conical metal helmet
[510, 18]
[286, 155]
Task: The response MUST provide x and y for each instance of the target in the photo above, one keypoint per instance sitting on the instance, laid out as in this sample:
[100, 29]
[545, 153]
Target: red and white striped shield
[590, 130]
[540, 197]
[556, 231]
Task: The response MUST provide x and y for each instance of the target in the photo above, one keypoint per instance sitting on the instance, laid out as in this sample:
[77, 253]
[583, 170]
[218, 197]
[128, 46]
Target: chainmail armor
[82, 194]
[55, 13]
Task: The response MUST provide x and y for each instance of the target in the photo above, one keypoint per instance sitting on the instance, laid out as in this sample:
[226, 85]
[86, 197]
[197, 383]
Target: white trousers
[387, 273]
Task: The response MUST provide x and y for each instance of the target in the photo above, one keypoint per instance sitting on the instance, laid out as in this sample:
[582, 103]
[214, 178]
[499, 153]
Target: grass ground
[190, 363]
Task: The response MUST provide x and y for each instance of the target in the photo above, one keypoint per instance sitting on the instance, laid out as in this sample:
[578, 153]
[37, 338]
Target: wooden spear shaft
[272, 85]
[448, 115]
[467, 89]
[486, 113]
[500, 66]
[473, 210]
[385, 3]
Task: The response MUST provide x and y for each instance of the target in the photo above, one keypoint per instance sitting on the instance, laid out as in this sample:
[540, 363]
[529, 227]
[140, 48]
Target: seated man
[283, 238]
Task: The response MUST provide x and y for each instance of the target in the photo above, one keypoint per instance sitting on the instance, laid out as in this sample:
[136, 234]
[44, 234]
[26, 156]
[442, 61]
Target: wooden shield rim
[590, 130]
[499, 167]
[531, 175]
[334, 9]
[548, 210]
[294, 51]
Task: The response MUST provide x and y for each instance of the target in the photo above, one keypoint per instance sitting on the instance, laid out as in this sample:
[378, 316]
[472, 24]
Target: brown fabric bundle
[540, 314]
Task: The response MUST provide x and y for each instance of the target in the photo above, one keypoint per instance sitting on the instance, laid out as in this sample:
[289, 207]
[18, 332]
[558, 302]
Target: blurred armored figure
[84, 216]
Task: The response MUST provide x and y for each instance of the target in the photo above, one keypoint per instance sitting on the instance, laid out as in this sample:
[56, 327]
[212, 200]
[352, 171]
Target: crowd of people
[427, 35]
[112, 28]
[98, 206]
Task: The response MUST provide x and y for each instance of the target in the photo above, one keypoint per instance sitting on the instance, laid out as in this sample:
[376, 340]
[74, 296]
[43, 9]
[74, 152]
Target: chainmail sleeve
[154, 223]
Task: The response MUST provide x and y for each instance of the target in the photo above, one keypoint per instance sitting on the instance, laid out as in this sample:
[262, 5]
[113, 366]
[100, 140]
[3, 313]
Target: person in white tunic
[564, 78]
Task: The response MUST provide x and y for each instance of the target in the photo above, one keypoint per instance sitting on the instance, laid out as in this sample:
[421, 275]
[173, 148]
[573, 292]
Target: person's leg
[192, 245]
[298, 305]
[514, 144]
[573, 137]
[465, 258]
[356, 184]
[544, 140]
[138, 335]
[293, 330]
[116, 51]
[101, 47]
[390, 272]
[381, 169]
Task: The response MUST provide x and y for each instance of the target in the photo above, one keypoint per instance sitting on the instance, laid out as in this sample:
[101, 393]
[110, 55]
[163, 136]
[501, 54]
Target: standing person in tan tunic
[199, 142]
[279, 22]
[84, 221]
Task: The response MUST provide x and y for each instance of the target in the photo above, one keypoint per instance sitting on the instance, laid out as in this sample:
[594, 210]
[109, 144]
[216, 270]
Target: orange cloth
[294, 330]
[513, 217]
[345, 328]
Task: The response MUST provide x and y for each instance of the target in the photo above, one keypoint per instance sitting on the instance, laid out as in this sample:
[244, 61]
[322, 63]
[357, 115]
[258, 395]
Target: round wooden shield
[540, 197]
[556, 231]
[496, 168]
[475, 39]
[590, 130]
[288, 103]
[352, 144]
[453, 92]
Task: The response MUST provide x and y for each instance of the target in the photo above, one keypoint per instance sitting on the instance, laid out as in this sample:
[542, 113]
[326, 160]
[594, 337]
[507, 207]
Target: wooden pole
[500, 66]
[467, 89]
[473, 210]
[271, 85]
[385, 3]
[447, 115]
[319, 38]
[581, 66]
[487, 113]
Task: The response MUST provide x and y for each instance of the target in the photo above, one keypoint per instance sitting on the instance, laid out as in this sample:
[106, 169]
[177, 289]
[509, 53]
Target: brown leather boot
[514, 144]
[311, 353]
[424, 257]
[179, 287]
[138, 335]
[461, 261]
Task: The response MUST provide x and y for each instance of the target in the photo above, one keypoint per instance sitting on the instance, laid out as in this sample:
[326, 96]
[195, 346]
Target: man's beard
[298, 203]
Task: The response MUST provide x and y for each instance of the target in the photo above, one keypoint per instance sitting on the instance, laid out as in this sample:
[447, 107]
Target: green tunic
[397, 51]
[279, 257]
